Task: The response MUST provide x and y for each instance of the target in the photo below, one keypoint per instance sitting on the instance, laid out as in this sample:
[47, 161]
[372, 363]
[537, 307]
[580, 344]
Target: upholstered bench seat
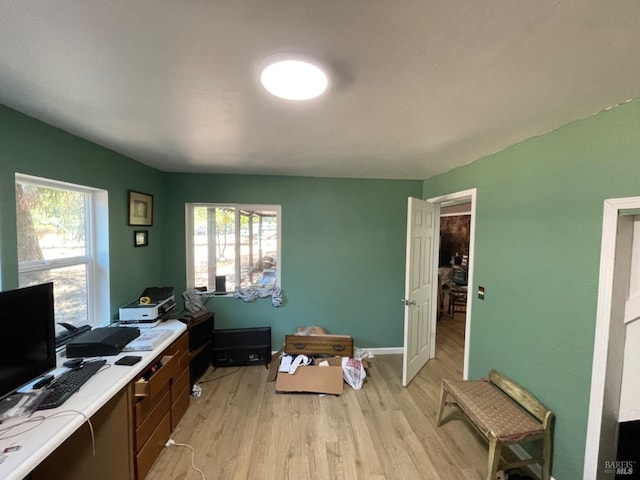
[491, 410]
[504, 413]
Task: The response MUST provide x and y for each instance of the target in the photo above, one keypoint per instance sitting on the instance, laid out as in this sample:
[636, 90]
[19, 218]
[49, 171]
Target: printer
[149, 308]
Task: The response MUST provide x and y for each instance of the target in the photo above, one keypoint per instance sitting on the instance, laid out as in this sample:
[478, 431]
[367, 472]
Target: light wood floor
[241, 429]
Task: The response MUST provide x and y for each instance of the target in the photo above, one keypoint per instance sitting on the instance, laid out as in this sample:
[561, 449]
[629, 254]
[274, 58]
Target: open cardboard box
[313, 378]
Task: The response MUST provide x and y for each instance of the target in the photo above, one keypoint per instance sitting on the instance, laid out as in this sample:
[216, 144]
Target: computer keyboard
[69, 383]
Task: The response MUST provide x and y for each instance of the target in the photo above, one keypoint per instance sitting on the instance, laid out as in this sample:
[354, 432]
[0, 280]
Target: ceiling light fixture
[293, 78]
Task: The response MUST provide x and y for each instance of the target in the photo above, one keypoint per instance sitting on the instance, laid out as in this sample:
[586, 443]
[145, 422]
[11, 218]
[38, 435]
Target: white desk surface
[39, 439]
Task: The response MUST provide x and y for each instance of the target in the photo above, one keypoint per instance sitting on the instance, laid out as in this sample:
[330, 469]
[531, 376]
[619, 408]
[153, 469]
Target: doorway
[458, 203]
[616, 310]
[453, 290]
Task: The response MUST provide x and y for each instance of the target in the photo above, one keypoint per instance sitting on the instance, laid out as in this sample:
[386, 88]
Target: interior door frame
[605, 332]
[445, 201]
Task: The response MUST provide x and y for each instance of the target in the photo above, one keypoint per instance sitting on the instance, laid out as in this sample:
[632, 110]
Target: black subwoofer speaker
[241, 346]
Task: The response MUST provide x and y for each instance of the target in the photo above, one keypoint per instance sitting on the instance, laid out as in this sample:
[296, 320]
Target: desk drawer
[158, 381]
[145, 405]
[150, 451]
[148, 425]
[179, 407]
[180, 345]
[182, 361]
[341, 345]
[179, 384]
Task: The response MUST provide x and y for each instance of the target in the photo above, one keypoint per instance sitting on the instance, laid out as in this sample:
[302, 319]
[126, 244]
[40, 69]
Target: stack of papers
[148, 340]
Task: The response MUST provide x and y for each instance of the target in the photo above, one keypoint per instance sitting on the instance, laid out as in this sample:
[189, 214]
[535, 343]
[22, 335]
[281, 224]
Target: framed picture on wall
[140, 238]
[140, 209]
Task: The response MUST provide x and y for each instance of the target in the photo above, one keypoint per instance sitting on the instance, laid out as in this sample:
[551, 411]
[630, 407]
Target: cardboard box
[313, 379]
[273, 366]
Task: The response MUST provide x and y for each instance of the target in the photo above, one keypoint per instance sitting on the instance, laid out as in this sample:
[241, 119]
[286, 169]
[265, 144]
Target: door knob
[408, 302]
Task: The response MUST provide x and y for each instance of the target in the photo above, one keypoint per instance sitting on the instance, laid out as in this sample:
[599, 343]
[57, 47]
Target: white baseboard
[385, 351]
[375, 351]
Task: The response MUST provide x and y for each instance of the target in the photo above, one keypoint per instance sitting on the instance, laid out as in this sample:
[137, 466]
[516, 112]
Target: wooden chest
[341, 345]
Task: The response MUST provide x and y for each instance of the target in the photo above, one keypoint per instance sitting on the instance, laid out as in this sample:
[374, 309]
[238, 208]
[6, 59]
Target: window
[241, 242]
[62, 238]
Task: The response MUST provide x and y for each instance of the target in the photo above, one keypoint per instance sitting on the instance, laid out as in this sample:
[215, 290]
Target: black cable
[218, 378]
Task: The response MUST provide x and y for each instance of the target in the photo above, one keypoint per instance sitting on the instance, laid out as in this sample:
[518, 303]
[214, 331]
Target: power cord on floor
[219, 377]
[171, 442]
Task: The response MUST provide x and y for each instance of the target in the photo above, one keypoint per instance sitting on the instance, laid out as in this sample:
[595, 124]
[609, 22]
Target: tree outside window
[241, 242]
[55, 243]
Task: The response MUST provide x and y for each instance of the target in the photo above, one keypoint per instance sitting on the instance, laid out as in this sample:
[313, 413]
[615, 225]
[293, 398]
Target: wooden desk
[60, 446]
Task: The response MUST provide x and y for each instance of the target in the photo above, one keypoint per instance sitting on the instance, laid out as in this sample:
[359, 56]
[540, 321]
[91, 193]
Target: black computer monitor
[27, 336]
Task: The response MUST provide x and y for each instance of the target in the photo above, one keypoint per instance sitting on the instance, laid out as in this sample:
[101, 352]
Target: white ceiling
[418, 86]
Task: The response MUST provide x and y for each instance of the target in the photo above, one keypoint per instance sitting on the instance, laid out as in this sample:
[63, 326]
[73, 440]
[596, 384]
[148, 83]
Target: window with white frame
[240, 242]
[62, 238]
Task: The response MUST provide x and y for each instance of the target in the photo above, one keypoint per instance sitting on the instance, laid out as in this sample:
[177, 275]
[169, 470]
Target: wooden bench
[505, 414]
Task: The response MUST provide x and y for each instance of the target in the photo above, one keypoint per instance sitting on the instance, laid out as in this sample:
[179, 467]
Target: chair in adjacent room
[457, 300]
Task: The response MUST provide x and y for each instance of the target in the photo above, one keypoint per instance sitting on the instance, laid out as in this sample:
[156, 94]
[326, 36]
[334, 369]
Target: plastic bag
[353, 372]
[360, 353]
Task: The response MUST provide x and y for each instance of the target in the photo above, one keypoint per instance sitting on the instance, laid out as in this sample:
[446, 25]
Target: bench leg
[495, 450]
[443, 400]
[546, 456]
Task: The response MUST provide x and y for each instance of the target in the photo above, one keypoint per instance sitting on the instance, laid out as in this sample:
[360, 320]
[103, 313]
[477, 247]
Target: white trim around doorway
[453, 199]
[612, 210]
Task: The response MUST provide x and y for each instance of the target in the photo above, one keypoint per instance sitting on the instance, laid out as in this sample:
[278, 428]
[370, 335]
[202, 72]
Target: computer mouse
[73, 363]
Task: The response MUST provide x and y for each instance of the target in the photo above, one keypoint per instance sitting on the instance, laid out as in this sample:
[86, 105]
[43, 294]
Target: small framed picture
[140, 238]
[140, 209]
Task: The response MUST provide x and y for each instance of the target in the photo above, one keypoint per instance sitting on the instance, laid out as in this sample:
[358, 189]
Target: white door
[419, 290]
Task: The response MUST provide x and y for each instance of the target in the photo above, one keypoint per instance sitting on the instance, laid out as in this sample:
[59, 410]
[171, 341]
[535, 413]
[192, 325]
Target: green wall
[32, 147]
[343, 247]
[538, 231]
[343, 242]
[538, 228]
